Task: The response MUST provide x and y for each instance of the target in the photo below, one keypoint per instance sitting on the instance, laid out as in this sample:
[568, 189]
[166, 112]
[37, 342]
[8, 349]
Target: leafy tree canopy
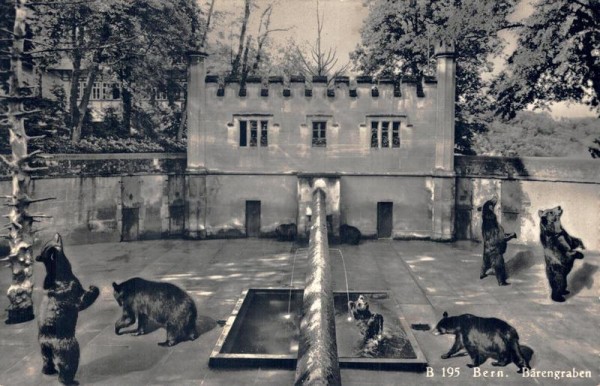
[398, 39]
[557, 58]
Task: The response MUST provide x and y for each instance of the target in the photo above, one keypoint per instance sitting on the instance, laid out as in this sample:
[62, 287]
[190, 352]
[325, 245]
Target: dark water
[393, 343]
[263, 328]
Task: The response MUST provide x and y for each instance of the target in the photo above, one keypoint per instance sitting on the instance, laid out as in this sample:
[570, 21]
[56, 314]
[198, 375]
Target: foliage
[398, 39]
[141, 43]
[532, 134]
[92, 144]
[557, 58]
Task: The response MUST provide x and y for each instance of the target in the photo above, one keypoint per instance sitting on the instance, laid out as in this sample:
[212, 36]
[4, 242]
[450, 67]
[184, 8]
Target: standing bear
[559, 251]
[63, 300]
[483, 338]
[494, 242]
[165, 304]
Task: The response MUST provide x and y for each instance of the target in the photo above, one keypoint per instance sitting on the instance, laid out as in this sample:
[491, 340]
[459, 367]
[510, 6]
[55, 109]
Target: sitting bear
[63, 300]
[163, 303]
[286, 232]
[483, 338]
[350, 234]
[494, 242]
[559, 251]
[370, 324]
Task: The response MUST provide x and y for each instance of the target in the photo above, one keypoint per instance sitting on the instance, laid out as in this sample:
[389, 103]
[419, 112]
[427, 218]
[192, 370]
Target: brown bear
[370, 324]
[350, 234]
[494, 242]
[165, 304]
[63, 300]
[559, 251]
[483, 338]
[286, 232]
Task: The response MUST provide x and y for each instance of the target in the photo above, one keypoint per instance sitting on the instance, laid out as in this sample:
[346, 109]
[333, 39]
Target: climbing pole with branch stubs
[20, 219]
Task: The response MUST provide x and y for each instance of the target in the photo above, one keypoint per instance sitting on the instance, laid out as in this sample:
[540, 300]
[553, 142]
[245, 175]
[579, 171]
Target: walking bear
[483, 338]
[370, 324]
[286, 232]
[494, 242]
[64, 298]
[559, 251]
[350, 234]
[163, 303]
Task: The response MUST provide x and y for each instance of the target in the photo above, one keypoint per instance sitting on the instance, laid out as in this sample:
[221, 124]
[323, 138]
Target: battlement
[300, 86]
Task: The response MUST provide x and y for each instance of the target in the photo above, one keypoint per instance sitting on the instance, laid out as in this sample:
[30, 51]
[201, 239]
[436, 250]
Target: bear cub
[483, 338]
[163, 303]
[559, 251]
[64, 298]
[370, 324]
[494, 242]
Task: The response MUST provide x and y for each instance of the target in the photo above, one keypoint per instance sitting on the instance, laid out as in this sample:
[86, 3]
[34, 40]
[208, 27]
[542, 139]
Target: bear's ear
[115, 286]
[541, 213]
[445, 314]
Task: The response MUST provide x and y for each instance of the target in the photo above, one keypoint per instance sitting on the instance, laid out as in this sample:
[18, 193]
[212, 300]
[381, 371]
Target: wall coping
[551, 169]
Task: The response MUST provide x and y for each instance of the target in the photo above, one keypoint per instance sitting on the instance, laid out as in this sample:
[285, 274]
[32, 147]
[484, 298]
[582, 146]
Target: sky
[343, 21]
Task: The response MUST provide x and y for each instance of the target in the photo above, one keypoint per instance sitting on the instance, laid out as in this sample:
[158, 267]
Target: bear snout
[436, 332]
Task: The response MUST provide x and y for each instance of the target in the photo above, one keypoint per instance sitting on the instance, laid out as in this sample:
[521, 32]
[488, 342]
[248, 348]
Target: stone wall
[113, 197]
[524, 186]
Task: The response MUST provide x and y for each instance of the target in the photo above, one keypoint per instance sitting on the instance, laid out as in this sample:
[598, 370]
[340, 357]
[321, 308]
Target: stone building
[384, 149]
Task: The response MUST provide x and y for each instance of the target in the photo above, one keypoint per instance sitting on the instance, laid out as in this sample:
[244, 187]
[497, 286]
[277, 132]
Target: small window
[252, 130]
[253, 133]
[319, 135]
[395, 134]
[264, 140]
[381, 136]
[374, 134]
[96, 91]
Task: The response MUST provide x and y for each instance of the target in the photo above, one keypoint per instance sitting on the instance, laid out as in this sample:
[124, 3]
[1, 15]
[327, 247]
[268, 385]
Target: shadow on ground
[582, 278]
[521, 262]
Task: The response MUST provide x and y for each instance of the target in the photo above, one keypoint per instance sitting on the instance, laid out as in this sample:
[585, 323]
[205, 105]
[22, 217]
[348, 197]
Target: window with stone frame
[254, 132]
[385, 134]
[319, 133]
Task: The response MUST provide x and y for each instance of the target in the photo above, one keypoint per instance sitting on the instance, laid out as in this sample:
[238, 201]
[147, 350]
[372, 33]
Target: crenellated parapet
[298, 86]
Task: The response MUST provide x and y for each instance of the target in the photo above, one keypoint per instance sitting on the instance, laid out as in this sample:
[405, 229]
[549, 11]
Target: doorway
[252, 218]
[385, 222]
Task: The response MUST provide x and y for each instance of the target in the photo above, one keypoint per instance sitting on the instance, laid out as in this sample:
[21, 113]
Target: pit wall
[114, 197]
[524, 186]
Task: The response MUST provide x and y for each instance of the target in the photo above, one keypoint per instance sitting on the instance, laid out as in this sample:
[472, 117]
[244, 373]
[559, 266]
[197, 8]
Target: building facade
[385, 150]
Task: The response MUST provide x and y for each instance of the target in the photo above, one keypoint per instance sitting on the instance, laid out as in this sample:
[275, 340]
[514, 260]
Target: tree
[20, 232]
[139, 41]
[557, 58]
[320, 61]
[398, 37]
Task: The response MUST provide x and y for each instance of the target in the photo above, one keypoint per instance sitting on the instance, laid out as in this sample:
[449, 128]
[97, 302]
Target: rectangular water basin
[263, 331]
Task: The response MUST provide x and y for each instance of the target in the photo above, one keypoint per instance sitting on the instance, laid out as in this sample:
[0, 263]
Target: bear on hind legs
[64, 299]
[163, 303]
[559, 251]
[494, 242]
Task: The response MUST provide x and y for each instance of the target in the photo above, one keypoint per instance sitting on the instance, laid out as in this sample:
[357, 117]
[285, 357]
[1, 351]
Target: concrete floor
[424, 279]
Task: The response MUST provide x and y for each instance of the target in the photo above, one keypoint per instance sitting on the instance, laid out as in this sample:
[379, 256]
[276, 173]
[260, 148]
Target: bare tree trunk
[183, 121]
[235, 66]
[85, 100]
[20, 233]
[75, 77]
